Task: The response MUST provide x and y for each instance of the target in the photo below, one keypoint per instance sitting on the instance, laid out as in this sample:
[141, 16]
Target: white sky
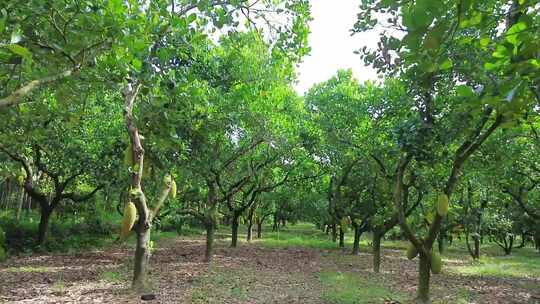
[332, 45]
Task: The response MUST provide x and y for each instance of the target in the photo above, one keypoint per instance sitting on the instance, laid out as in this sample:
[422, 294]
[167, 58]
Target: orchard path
[249, 274]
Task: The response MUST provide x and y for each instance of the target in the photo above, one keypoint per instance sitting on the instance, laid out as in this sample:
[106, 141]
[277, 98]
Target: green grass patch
[522, 263]
[300, 235]
[350, 288]
[113, 276]
[220, 286]
[30, 269]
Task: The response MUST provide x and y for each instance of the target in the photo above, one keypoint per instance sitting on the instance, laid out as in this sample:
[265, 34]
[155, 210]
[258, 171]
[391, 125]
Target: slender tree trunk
[523, 240]
[422, 295]
[537, 241]
[440, 242]
[234, 234]
[210, 230]
[341, 238]
[259, 229]
[21, 202]
[46, 212]
[508, 249]
[476, 247]
[334, 233]
[376, 243]
[142, 255]
[356, 242]
[249, 236]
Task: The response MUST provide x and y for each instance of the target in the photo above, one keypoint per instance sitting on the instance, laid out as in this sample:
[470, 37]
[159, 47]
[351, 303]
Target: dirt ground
[248, 274]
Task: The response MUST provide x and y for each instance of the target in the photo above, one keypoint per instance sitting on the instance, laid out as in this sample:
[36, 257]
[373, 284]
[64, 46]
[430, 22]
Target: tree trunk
[259, 230]
[234, 235]
[249, 236]
[537, 241]
[508, 249]
[376, 243]
[21, 202]
[210, 229]
[142, 255]
[334, 233]
[44, 224]
[356, 242]
[523, 240]
[341, 238]
[422, 295]
[440, 242]
[476, 247]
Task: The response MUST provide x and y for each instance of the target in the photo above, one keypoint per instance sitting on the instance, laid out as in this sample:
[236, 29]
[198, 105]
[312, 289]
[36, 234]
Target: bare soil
[248, 274]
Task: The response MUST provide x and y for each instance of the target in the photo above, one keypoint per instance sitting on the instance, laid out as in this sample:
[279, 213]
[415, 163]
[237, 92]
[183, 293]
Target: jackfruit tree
[55, 158]
[481, 54]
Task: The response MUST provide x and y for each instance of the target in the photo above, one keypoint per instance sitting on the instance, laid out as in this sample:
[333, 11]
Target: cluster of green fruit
[130, 210]
[436, 261]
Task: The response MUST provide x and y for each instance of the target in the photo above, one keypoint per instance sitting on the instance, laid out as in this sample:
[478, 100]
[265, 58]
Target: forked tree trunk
[142, 255]
[376, 243]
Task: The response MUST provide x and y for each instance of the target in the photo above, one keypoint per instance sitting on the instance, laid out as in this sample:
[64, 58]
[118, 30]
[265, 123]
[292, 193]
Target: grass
[219, 285]
[113, 276]
[30, 269]
[300, 235]
[522, 263]
[350, 288]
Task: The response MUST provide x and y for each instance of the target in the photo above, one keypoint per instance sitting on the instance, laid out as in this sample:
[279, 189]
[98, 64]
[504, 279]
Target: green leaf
[490, 66]
[512, 35]
[446, 64]
[464, 91]
[485, 41]
[475, 19]
[137, 64]
[501, 52]
[21, 51]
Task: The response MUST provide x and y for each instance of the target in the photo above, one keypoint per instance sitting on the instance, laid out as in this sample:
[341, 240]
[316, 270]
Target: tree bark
[259, 230]
[341, 238]
[356, 242]
[142, 255]
[376, 243]
[44, 224]
[249, 236]
[210, 230]
[21, 202]
[422, 294]
[334, 233]
[440, 243]
[234, 234]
